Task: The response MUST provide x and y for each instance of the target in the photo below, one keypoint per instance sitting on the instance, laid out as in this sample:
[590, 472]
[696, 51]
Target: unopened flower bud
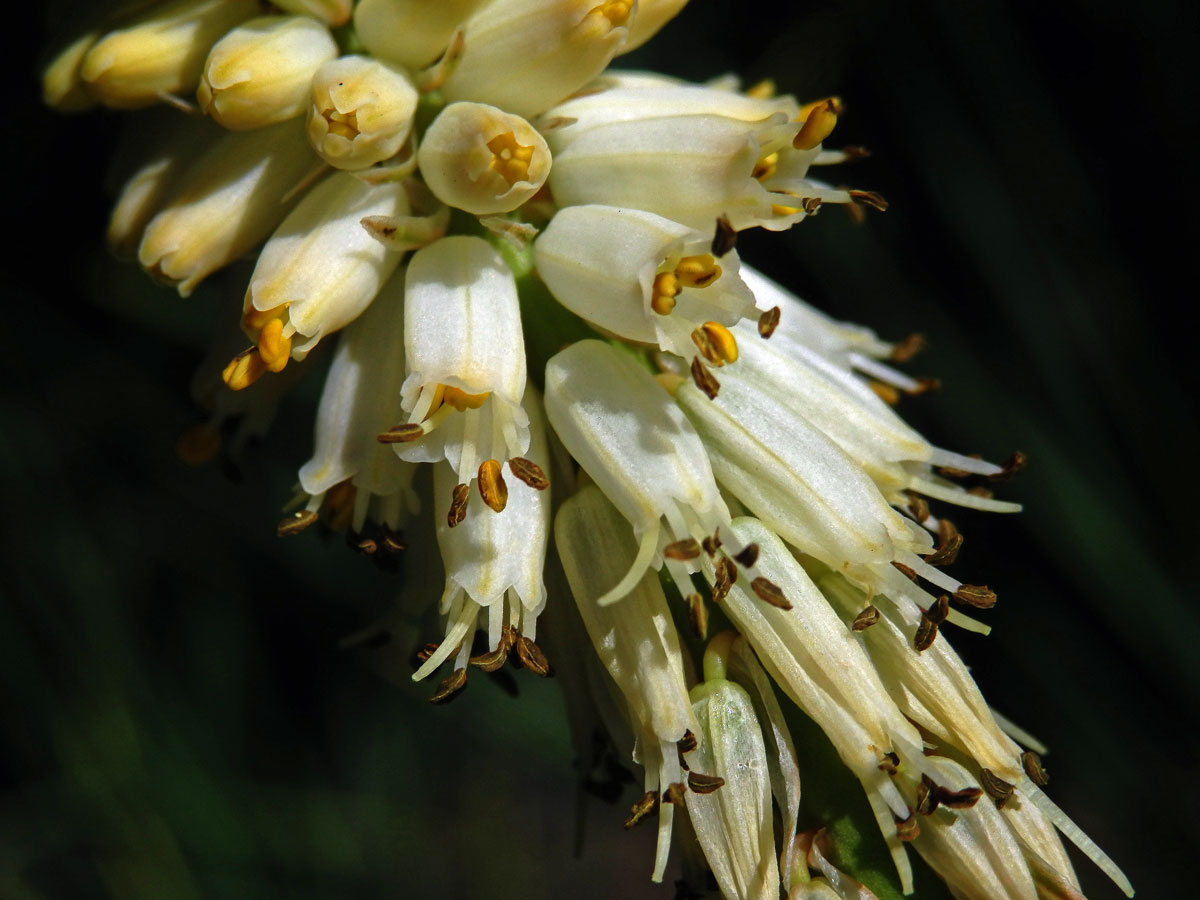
[260, 73]
[62, 88]
[331, 12]
[321, 268]
[411, 32]
[232, 198]
[160, 53]
[482, 160]
[526, 55]
[362, 111]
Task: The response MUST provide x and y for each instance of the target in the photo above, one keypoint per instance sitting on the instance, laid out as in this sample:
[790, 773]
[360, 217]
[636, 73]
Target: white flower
[361, 112]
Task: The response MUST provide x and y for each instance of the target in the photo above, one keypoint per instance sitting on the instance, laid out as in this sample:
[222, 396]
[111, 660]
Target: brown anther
[508, 637]
[674, 793]
[704, 784]
[810, 204]
[704, 345]
[532, 657]
[891, 763]
[391, 541]
[747, 557]
[977, 595]
[964, 799]
[884, 392]
[401, 434]
[997, 788]
[926, 632]
[528, 472]
[768, 322]
[938, 610]
[956, 474]
[980, 491]
[769, 592]
[1032, 764]
[918, 507]
[698, 616]
[458, 505]
[865, 619]
[925, 384]
[712, 543]
[1012, 466]
[425, 652]
[450, 687]
[492, 488]
[906, 348]
[905, 571]
[366, 545]
[870, 198]
[296, 522]
[947, 551]
[642, 808]
[688, 742]
[492, 660]
[688, 548]
[908, 829]
[927, 796]
[725, 577]
[855, 152]
[724, 239]
[704, 379]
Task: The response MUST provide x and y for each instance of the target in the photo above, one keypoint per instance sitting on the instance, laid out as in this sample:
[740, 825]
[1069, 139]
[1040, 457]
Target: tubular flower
[527, 264]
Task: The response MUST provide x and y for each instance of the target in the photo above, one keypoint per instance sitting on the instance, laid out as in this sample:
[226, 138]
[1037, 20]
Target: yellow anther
[697, 271]
[722, 341]
[510, 158]
[765, 167]
[273, 346]
[342, 124]
[256, 319]
[818, 123]
[244, 369]
[834, 103]
[461, 400]
[764, 90]
[492, 488]
[662, 295]
[616, 11]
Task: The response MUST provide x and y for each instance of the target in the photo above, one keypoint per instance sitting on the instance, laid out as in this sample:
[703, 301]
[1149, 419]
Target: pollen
[274, 347]
[819, 120]
[697, 271]
[510, 158]
[662, 295]
[244, 369]
[492, 488]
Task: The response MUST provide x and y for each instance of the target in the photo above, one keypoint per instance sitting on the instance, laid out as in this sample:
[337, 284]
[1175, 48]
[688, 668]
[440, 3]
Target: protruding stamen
[904, 350]
[926, 633]
[768, 322]
[698, 616]
[704, 784]
[363, 545]
[1032, 764]
[1015, 464]
[458, 505]
[977, 595]
[532, 657]
[819, 120]
[273, 346]
[949, 543]
[674, 793]
[918, 507]
[492, 488]
[938, 610]
[461, 400]
[997, 788]
[450, 687]
[641, 809]
[747, 556]
[688, 548]
[865, 619]
[725, 237]
[392, 542]
[704, 379]
[891, 763]
[904, 570]
[716, 343]
[401, 434]
[908, 829]
[769, 592]
[529, 472]
[964, 799]
[712, 543]
[870, 198]
[927, 797]
[296, 522]
[510, 158]
[697, 271]
[663, 293]
[244, 369]
[725, 577]
[490, 662]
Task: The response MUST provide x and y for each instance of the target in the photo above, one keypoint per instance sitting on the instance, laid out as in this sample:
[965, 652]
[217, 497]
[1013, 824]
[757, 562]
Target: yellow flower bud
[412, 32]
[61, 85]
[362, 111]
[483, 160]
[160, 52]
[260, 73]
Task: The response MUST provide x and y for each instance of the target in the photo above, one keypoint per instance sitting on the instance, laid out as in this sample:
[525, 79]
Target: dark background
[178, 719]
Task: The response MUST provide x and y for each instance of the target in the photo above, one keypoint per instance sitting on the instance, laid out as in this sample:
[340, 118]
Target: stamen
[492, 488]
[704, 379]
[891, 763]
[865, 619]
[392, 542]
[938, 610]
[905, 570]
[461, 400]
[674, 793]
[964, 799]
[688, 548]
[698, 616]
[510, 158]
[1032, 764]
[616, 11]
[926, 633]
[976, 595]
[997, 788]
[296, 522]
[908, 829]
[725, 577]
[532, 657]
[768, 322]
[704, 784]
[870, 198]
[365, 545]
[927, 797]
[1015, 464]
[244, 369]
[724, 239]
[712, 543]
[716, 343]
[906, 349]
[641, 809]
[949, 543]
[819, 120]
[697, 271]
[401, 434]
[458, 505]
[663, 293]
[747, 557]
[450, 687]
[274, 348]
[765, 167]
[490, 662]
[763, 90]
[918, 507]
[529, 472]
[769, 592]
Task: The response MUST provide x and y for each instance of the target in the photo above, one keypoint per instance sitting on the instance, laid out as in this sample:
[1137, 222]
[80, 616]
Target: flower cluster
[528, 262]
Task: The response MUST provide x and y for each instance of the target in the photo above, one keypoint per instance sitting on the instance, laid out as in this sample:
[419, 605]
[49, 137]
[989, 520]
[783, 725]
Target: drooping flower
[474, 208]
